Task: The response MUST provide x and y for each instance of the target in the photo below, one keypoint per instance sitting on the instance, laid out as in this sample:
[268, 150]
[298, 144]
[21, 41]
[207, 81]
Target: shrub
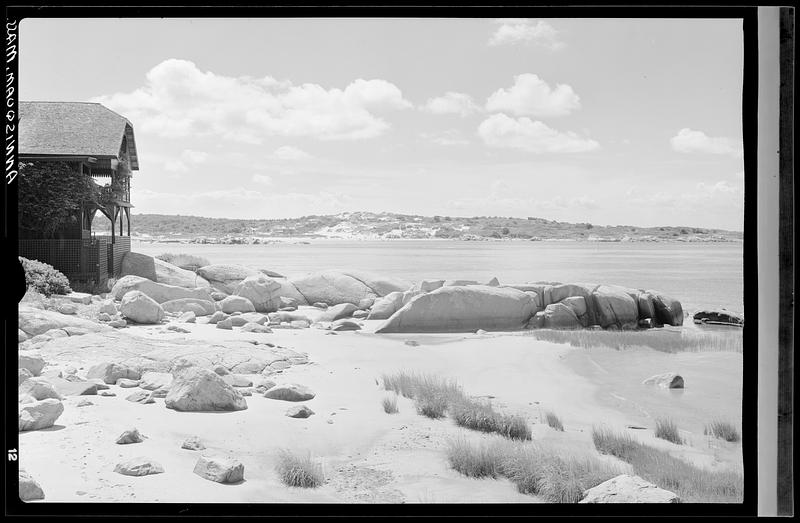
[668, 430]
[390, 405]
[297, 471]
[184, 261]
[44, 278]
[692, 484]
[554, 421]
[723, 430]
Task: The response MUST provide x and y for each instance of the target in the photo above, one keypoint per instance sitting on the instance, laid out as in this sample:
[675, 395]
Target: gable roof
[73, 129]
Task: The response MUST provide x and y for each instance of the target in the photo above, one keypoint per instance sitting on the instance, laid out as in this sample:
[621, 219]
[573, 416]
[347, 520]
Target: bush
[390, 405]
[692, 484]
[668, 430]
[554, 421]
[43, 278]
[723, 430]
[184, 261]
[297, 471]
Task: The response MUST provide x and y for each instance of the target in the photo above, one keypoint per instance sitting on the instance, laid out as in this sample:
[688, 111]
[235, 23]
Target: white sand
[368, 455]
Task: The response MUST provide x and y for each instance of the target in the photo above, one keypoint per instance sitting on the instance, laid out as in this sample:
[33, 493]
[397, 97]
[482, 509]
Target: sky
[607, 121]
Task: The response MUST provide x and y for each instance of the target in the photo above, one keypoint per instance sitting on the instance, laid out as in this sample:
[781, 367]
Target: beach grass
[436, 397]
[390, 405]
[667, 429]
[723, 430]
[299, 471]
[534, 469]
[554, 421]
[691, 483]
[664, 340]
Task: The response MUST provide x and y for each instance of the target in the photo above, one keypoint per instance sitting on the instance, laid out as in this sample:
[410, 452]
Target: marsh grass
[667, 429]
[671, 341]
[184, 261]
[390, 405]
[299, 471]
[554, 421]
[535, 470]
[722, 430]
[436, 397]
[692, 484]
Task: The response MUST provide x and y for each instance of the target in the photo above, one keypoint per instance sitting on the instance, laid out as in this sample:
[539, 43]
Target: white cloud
[263, 179]
[690, 141]
[524, 30]
[532, 96]
[187, 158]
[721, 195]
[179, 100]
[449, 137]
[500, 130]
[502, 198]
[452, 103]
[289, 153]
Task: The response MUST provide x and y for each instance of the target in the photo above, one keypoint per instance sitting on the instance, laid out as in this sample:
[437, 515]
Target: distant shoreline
[262, 240]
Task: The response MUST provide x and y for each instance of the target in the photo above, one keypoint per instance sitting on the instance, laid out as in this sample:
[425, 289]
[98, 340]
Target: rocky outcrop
[34, 321]
[173, 275]
[39, 415]
[197, 306]
[380, 285]
[628, 489]
[159, 292]
[196, 389]
[719, 317]
[225, 277]
[140, 308]
[221, 469]
[613, 307]
[463, 309]
[333, 288]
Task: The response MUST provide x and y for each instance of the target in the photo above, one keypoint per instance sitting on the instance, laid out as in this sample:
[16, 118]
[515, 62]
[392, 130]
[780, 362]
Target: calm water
[699, 275]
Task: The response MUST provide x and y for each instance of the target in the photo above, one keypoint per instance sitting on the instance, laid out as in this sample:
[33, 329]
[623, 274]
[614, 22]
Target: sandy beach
[368, 455]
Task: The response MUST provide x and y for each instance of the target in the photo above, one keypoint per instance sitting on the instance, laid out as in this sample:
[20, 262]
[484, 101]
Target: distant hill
[367, 225]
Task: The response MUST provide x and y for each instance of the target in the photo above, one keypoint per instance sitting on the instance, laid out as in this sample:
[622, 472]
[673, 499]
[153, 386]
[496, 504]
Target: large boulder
[197, 306]
[380, 285]
[225, 277]
[140, 308]
[236, 304]
[262, 291]
[646, 306]
[613, 307]
[384, 307]
[289, 392]
[628, 489]
[139, 466]
[197, 389]
[38, 389]
[333, 288]
[33, 362]
[343, 310]
[221, 469]
[560, 316]
[39, 414]
[34, 321]
[160, 292]
[718, 316]
[668, 310]
[173, 275]
[136, 264]
[579, 307]
[463, 309]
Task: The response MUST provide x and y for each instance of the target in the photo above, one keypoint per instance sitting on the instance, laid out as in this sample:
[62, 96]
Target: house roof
[82, 129]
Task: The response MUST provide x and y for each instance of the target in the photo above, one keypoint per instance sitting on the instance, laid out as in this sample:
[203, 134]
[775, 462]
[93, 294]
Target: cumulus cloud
[452, 103]
[691, 141]
[263, 179]
[524, 30]
[532, 96]
[500, 130]
[179, 100]
[289, 153]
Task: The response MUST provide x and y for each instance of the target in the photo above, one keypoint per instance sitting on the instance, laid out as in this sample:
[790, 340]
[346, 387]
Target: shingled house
[100, 144]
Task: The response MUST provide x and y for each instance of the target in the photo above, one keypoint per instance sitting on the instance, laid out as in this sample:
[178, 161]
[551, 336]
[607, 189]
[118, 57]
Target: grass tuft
[723, 430]
[668, 430]
[296, 471]
[692, 484]
[482, 416]
[554, 421]
[390, 405]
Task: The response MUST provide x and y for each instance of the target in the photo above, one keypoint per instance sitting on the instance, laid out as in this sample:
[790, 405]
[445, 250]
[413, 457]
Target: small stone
[104, 317]
[130, 436]
[226, 324]
[125, 383]
[24, 374]
[300, 411]
[176, 328]
[217, 317]
[107, 393]
[256, 328]
[118, 323]
[188, 317]
[345, 325]
[139, 466]
[221, 370]
[84, 403]
[412, 343]
[193, 443]
[68, 308]
[29, 489]
[141, 396]
[321, 305]
[236, 321]
[668, 380]
[289, 392]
